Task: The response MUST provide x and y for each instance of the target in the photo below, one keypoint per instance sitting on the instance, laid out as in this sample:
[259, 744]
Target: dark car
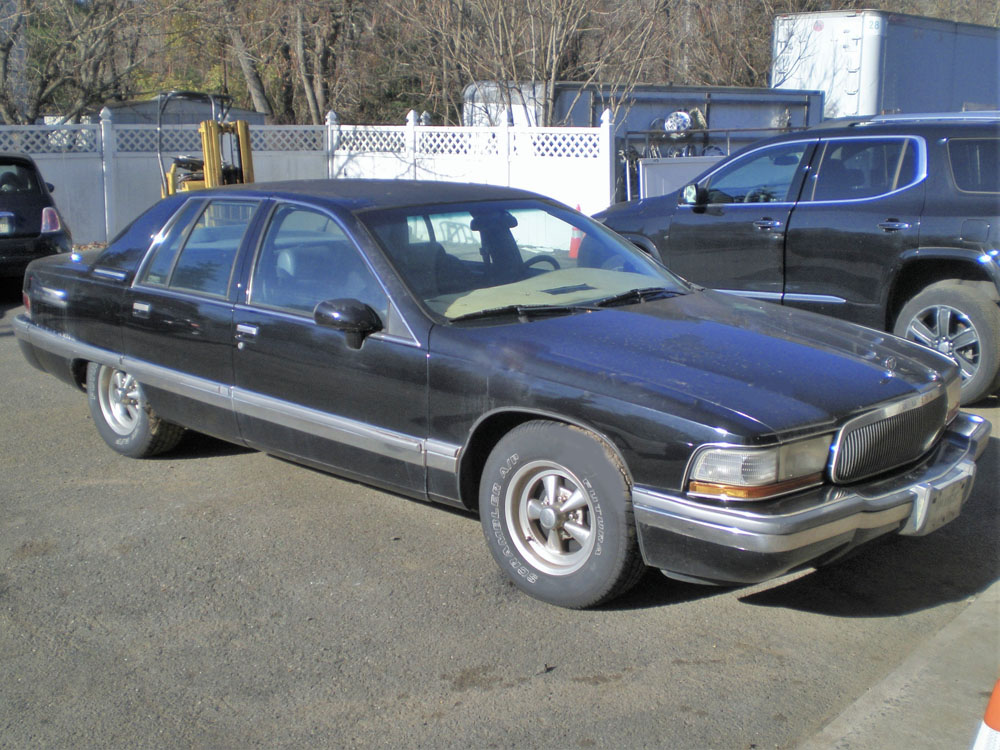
[490, 349]
[30, 226]
[892, 223]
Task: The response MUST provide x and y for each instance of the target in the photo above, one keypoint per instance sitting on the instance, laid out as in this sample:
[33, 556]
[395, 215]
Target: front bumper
[748, 543]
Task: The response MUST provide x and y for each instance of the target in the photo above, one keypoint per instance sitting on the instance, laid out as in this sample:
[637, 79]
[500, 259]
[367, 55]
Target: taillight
[50, 220]
[26, 301]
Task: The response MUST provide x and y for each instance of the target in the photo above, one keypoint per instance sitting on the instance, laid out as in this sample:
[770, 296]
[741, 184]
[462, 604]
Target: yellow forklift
[218, 135]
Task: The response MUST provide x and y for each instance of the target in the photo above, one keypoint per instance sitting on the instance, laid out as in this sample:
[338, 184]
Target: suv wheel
[958, 320]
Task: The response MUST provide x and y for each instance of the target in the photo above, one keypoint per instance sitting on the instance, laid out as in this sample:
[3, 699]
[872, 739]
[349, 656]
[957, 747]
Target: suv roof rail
[972, 116]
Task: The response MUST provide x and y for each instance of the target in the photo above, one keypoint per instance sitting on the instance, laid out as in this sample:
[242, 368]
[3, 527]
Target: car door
[858, 213]
[178, 315]
[732, 238]
[307, 390]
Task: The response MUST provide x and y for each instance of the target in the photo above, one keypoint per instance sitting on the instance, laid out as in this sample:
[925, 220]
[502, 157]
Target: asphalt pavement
[220, 598]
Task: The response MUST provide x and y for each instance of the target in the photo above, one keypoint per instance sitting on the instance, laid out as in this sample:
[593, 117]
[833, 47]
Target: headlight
[758, 473]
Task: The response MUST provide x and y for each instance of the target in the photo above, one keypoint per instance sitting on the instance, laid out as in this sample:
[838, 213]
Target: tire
[960, 321]
[579, 551]
[123, 417]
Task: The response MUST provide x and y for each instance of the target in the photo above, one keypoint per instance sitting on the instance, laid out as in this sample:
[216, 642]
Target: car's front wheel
[957, 319]
[555, 508]
[122, 415]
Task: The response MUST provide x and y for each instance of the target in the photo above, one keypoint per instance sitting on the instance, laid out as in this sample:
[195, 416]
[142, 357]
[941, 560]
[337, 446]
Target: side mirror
[354, 318]
[692, 195]
[50, 186]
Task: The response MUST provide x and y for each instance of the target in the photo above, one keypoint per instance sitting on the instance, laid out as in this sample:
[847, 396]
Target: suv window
[204, 263]
[862, 168]
[975, 164]
[763, 176]
[307, 258]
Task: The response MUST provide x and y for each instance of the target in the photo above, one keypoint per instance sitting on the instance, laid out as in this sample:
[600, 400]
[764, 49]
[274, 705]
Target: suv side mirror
[354, 318]
[692, 195]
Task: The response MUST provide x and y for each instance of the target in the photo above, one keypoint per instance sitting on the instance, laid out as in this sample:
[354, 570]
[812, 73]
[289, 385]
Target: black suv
[30, 226]
[893, 223]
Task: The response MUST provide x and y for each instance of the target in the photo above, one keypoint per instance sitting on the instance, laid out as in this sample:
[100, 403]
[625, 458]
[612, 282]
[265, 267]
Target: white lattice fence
[108, 173]
[562, 143]
[285, 138]
[50, 139]
[360, 139]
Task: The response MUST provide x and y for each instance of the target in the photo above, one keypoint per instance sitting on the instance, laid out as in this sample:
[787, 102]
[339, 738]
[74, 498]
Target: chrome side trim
[61, 344]
[338, 429]
[199, 389]
[442, 456]
[430, 453]
[791, 297]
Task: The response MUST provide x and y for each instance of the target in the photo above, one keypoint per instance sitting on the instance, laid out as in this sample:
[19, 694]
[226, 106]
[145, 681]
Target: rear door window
[855, 168]
[200, 257]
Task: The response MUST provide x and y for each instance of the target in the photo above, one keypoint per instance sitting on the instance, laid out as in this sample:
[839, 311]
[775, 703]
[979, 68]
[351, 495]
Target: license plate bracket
[940, 502]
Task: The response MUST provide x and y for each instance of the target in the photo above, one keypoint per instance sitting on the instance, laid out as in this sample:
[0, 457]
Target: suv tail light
[50, 220]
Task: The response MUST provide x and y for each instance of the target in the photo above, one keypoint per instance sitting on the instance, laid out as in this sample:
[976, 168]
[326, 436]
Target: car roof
[360, 195]
[9, 156]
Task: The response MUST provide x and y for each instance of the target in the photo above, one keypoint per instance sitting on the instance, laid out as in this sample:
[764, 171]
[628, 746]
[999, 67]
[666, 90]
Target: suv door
[732, 237]
[859, 211]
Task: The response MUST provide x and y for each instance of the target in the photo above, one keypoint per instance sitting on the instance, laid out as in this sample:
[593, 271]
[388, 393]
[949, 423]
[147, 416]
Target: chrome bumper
[749, 542]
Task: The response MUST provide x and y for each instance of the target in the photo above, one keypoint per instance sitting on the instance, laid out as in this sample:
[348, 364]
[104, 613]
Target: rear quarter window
[975, 164]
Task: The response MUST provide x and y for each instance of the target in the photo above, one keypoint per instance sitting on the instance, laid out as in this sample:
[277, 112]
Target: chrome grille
[890, 437]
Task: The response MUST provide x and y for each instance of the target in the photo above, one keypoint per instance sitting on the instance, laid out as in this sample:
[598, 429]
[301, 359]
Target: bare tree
[65, 56]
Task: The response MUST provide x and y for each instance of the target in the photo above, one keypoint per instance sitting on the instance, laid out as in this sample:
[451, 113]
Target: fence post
[412, 120]
[504, 147]
[608, 147]
[108, 170]
[332, 141]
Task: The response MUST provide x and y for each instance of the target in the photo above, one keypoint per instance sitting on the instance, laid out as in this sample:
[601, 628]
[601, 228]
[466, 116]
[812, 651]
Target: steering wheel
[758, 195]
[543, 259]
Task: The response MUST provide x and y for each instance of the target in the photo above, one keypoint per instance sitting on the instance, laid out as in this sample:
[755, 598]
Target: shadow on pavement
[900, 575]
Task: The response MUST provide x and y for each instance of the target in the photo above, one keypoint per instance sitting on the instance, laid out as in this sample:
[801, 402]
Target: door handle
[893, 226]
[765, 224]
[141, 309]
[246, 331]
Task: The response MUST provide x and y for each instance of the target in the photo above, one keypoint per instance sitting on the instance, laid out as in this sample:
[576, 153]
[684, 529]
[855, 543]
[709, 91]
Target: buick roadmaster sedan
[493, 350]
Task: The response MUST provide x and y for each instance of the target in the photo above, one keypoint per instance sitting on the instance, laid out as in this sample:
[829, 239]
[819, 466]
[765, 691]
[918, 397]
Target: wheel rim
[551, 517]
[120, 398]
[949, 331]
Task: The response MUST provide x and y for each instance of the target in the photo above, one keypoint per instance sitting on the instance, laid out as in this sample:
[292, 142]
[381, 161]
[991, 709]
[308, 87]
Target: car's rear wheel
[122, 415]
[556, 511]
[957, 319]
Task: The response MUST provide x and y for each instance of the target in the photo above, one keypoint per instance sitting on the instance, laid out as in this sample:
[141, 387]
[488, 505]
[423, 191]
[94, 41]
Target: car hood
[755, 368]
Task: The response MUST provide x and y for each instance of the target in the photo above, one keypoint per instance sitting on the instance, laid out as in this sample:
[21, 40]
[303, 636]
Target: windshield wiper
[633, 296]
[525, 312]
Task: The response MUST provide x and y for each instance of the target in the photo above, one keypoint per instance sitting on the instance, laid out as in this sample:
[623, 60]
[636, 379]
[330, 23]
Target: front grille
[890, 437]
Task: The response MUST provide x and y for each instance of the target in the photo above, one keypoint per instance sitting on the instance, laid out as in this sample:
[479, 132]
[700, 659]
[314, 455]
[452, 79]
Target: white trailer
[872, 62]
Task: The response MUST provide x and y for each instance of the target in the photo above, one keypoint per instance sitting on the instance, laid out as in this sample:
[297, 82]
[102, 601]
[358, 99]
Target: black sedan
[490, 349]
[30, 225]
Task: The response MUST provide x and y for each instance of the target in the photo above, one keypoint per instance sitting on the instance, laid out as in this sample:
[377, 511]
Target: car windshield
[502, 257]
